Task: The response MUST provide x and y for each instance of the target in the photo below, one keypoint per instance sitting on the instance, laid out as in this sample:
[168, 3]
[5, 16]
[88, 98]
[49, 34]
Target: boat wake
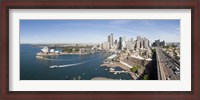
[68, 65]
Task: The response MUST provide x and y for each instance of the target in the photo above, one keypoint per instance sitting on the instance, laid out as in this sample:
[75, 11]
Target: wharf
[126, 68]
[54, 54]
[60, 53]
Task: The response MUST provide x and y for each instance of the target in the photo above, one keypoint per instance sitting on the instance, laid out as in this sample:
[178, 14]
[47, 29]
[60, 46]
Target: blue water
[84, 67]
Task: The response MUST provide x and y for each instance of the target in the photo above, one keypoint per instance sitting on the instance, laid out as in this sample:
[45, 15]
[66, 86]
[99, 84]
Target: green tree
[135, 69]
[145, 77]
[79, 78]
[153, 50]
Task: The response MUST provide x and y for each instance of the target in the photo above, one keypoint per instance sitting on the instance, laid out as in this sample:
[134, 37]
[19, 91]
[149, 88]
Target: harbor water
[71, 67]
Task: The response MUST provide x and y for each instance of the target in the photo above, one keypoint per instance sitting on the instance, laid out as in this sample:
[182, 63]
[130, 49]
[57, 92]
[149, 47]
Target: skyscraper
[142, 43]
[139, 43]
[110, 40]
[157, 43]
[123, 43]
[116, 41]
[146, 43]
[162, 43]
[120, 43]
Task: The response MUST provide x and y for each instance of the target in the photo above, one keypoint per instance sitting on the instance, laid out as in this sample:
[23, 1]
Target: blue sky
[96, 31]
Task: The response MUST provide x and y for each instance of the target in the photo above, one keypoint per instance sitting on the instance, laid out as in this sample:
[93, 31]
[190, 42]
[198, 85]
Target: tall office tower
[162, 43]
[157, 42]
[120, 43]
[123, 43]
[139, 43]
[146, 43]
[115, 41]
[110, 40]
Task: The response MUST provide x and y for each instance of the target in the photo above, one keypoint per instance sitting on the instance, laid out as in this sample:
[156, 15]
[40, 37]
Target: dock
[125, 68]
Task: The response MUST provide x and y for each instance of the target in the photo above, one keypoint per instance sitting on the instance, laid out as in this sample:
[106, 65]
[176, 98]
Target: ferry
[53, 66]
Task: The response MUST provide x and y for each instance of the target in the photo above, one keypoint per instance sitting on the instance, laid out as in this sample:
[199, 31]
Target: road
[168, 64]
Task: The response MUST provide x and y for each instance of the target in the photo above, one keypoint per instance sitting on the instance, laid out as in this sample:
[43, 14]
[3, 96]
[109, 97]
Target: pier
[125, 68]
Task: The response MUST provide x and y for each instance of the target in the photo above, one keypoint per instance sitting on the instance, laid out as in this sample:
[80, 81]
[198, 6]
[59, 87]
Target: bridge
[166, 65]
[160, 69]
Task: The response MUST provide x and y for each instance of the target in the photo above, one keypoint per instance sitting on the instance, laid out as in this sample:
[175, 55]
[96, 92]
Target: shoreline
[57, 54]
[126, 68]
[101, 78]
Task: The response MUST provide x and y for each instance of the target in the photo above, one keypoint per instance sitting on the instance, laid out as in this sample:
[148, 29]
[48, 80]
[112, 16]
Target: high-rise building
[110, 40]
[142, 43]
[120, 43]
[162, 44]
[115, 41]
[157, 43]
[139, 43]
[145, 43]
[123, 46]
[106, 46]
[130, 45]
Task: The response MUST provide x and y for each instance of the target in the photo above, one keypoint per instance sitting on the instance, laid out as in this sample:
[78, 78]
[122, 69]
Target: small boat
[53, 66]
[112, 69]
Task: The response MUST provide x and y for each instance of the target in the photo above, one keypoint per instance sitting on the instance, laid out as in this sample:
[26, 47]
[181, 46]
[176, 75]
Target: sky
[97, 31]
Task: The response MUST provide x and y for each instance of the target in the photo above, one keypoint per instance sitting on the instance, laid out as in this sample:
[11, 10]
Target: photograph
[99, 49]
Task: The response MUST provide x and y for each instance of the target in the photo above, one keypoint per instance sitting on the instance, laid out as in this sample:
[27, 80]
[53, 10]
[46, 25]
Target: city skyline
[96, 31]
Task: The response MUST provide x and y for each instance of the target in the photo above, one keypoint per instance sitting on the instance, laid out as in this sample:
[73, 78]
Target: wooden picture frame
[5, 94]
